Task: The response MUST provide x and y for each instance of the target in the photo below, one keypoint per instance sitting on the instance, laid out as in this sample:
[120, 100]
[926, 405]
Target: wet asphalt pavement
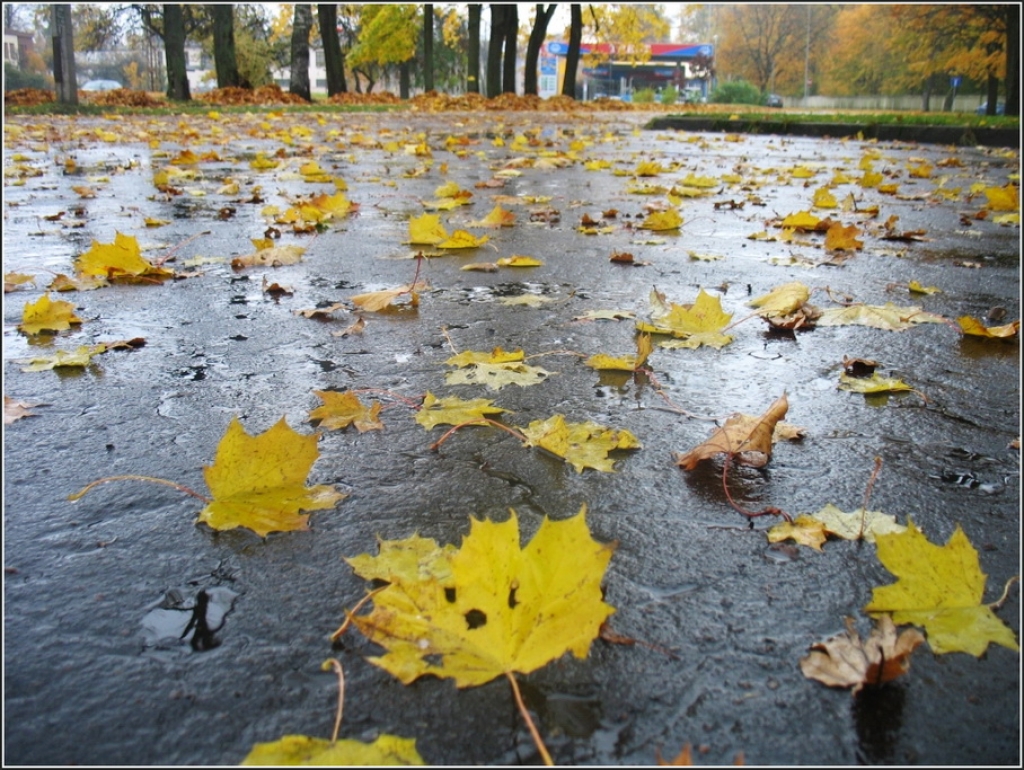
[99, 593]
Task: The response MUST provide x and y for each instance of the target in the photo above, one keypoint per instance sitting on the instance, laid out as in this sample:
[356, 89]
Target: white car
[102, 85]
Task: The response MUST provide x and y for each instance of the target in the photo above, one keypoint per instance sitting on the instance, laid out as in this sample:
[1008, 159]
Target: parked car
[773, 100]
[102, 85]
[983, 109]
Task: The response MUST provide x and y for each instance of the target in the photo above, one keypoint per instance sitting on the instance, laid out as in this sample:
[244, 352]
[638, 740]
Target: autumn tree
[222, 16]
[97, 26]
[501, 20]
[387, 37]
[760, 41]
[334, 57]
[542, 16]
[629, 28]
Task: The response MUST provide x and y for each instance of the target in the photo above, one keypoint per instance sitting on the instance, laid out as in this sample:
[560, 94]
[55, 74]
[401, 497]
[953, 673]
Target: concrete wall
[881, 103]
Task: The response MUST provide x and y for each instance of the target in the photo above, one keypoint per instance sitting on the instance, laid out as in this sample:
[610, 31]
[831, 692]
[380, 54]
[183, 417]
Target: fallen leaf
[303, 750]
[490, 608]
[258, 482]
[782, 300]
[427, 229]
[13, 280]
[916, 288]
[378, 300]
[498, 217]
[340, 410]
[121, 259]
[80, 357]
[876, 383]
[889, 317]
[746, 438]
[1003, 198]
[517, 260]
[581, 444]
[482, 267]
[275, 256]
[624, 363]
[814, 528]
[47, 315]
[940, 588]
[662, 220]
[975, 328]
[497, 376]
[461, 239]
[838, 237]
[16, 410]
[845, 661]
[497, 356]
[606, 315]
[453, 410]
[697, 324]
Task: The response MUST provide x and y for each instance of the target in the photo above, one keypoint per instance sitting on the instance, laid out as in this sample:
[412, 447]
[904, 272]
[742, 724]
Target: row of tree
[790, 49]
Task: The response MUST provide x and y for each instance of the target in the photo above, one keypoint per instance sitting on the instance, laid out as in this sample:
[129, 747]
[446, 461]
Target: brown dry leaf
[355, 328]
[975, 328]
[15, 410]
[320, 312]
[748, 439]
[272, 257]
[378, 300]
[846, 661]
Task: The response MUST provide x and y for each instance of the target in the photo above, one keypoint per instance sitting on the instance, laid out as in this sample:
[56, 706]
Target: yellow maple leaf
[81, 357]
[426, 229]
[497, 376]
[887, 316]
[876, 383]
[648, 168]
[662, 220]
[975, 328]
[47, 315]
[1003, 198]
[453, 410]
[304, 750]
[340, 410]
[839, 237]
[940, 588]
[337, 205]
[258, 482]
[518, 260]
[379, 300]
[914, 287]
[462, 239]
[813, 529]
[824, 199]
[581, 444]
[644, 347]
[497, 356]
[782, 300]
[697, 324]
[802, 220]
[747, 438]
[120, 259]
[490, 608]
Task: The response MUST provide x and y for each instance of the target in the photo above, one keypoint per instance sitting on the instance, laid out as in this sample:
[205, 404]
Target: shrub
[736, 92]
[15, 79]
[670, 95]
[643, 96]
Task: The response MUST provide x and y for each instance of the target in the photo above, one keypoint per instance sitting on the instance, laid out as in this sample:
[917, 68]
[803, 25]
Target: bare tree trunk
[428, 47]
[224, 60]
[494, 50]
[302, 23]
[537, 35]
[473, 56]
[1012, 11]
[572, 58]
[64, 75]
[508, 73]
[334, 57]
[174, 48]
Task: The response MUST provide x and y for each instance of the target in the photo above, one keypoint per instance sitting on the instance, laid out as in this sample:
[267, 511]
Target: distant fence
[964, 103]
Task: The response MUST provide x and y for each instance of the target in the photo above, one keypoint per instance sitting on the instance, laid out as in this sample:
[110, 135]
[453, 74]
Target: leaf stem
[180, 487]
[349, 615]
[529, 722]
[481, 421]
[336, 665]
[770, 510]
[1006, 593]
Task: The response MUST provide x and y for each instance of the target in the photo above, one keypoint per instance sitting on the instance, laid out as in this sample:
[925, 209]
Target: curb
[957, 135]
